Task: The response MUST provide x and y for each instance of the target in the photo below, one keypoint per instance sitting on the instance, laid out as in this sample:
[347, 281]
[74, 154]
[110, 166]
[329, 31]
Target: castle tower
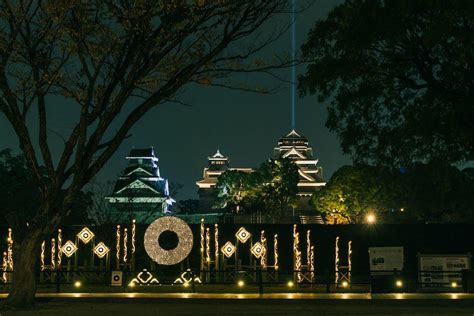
[217, 164]
[296, 147]
[141, 192]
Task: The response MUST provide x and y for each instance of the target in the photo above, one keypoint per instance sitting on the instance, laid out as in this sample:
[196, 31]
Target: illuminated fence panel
[238, 260]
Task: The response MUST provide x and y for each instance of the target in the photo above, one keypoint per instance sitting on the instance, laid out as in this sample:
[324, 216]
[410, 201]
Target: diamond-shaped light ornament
[69, 248]
[85, 235]
[101, 250]
[257, 250]
[228, 249]
[243, 235]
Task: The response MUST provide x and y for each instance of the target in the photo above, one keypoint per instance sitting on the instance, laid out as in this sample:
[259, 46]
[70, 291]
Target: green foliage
[434, 192]
[272, 188]
[278, 189]
[235, 189]
[399, 78]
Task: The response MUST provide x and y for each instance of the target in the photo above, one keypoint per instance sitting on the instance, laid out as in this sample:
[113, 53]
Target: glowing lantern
[85, 235]
[257, 250]
[228, 249]
[101, 250]
[243, 235]
[69, 248]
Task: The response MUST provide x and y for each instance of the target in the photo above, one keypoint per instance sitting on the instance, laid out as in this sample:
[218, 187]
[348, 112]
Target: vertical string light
[117, 248]
[10, 249]
[133, 235]
[53, 254]
[202, 236]
[202, 232]
[349, 259]
[125, 242]
[263, 257]
[60, 245]
[336, 261]
[216, 245]
[43, 246]
[312, 274]
[208, 245]
[275, 251]
[297, 254]
[5, 266]
[308, 249]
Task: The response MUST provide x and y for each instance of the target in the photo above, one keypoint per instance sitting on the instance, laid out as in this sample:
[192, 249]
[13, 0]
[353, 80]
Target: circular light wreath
[173, 256]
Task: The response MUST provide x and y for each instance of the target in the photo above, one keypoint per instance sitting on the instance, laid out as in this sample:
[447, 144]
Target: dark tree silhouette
[19, 196]
[272, 188]
[399, 77]
[419, 193]
[113, 61]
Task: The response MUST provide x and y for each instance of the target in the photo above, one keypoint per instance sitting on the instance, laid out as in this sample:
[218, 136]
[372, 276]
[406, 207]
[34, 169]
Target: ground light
[399, 283]
[454, 284]
[131, 284]
[290, 284]
[77, 284]
[345, 284]
[240, 283]
[186, 284]
[370, 218]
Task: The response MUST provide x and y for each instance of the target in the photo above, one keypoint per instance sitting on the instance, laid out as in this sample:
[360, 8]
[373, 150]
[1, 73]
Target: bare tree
[114, 60]
[101, 213]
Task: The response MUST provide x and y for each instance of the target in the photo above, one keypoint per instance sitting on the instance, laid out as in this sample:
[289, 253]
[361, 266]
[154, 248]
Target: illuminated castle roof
[141, 182]
[296, 147]
[293, 139]
[217, 165]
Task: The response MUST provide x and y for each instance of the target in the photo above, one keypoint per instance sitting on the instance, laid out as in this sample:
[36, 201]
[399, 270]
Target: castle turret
[296, 147]
[217, 164]
[141, 193]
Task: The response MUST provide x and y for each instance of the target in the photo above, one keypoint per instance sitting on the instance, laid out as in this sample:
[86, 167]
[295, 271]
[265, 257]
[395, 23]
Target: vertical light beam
[293, 68]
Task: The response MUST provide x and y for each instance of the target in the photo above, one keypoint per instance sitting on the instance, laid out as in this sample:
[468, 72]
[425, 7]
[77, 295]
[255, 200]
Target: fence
[248, 281]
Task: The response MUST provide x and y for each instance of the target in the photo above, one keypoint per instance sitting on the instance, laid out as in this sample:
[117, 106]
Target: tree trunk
[23, 289]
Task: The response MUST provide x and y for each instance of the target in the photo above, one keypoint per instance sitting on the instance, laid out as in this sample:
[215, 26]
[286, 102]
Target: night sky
[244, 126]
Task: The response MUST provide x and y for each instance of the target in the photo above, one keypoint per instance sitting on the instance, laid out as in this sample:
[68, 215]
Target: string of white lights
[216, 245]
[125, 244]
[4, 267]
[308, 249]
[312, 273]
[202, 232]
[349, 259]
[263, 258]
[208, 245]
[336, 263]
[42, 255]
[60, 245]
[133, 235]
[117, 242]
[10, 249]
[53, 254]
[297, 254]
[275, 251]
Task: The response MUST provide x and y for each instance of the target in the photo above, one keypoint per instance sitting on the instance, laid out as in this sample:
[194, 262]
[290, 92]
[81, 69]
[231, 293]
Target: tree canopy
[399, 77]
[111, 62]
[271, 189]
[434, 192]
